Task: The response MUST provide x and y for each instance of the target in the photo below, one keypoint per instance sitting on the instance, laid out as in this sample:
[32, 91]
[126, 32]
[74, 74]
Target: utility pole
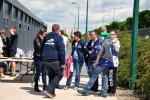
[86, 27]
[134, 43]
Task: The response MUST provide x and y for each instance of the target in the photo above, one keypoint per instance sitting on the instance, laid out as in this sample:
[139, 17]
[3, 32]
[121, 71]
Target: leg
[78, 66]
[55, 67]
[13, 67]
[105, 82]
[69, 80]
[44, 76]
[37, 64]
[112, 80]
[93, 78]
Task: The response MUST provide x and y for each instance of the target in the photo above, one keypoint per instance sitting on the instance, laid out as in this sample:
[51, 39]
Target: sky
[65, 13]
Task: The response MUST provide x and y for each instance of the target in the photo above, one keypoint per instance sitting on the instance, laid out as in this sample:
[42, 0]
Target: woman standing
[39, 66]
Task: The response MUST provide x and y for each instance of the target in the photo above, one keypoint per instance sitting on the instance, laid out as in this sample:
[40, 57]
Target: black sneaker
[82, 92]
[50, 95]
[58, 87]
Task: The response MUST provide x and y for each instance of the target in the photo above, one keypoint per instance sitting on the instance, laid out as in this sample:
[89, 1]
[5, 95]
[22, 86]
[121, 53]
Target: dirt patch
[126, 94]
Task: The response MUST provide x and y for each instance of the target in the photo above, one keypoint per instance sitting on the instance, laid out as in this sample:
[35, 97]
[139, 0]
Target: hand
[90, 52]
[62, 66]
[94, 64]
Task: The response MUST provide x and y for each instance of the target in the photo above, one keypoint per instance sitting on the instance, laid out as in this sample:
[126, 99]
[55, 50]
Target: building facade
[14, 13]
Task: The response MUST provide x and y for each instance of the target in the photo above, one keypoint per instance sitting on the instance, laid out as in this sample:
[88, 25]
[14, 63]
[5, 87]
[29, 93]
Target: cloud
[58, 11]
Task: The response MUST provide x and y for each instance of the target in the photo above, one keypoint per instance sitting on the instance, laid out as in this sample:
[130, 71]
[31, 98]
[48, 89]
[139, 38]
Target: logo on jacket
[50, 42]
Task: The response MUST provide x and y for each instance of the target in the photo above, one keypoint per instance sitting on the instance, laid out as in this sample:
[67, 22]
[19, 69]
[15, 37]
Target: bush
[143, 63]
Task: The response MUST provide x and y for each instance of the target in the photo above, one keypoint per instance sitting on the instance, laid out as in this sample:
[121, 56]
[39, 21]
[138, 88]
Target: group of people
[100, 55]
[8, 48]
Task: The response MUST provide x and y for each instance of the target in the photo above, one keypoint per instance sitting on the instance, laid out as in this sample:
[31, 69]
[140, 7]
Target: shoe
[36, 87]
[104, 95]
[50, 95]
[58, 87]
[82, 92]
[12, 74]
[66, 88]
[2, 76]
[75, 88]
[37, 90]
[44, 87]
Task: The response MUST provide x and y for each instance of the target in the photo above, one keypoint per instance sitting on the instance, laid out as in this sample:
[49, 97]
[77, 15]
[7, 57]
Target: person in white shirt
[113, 70]
[65, 39]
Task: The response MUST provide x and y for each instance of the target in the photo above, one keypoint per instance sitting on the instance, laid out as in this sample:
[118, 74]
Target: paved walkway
[14, 89]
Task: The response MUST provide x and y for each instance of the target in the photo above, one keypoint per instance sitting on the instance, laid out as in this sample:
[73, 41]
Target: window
[20, 15]
[29, 21]
[28, 28]
[19, 26]
[7, 8]
[1, 5]
[15, 13]
[6, 22]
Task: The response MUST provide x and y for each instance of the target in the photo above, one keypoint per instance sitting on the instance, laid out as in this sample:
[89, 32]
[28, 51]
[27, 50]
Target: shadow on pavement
[31, 91]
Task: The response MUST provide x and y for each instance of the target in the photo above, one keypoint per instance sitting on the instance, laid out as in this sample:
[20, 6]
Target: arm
[99, 55]
[61, 51]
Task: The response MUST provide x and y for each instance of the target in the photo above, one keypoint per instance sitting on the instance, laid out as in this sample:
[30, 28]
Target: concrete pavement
[14, 89]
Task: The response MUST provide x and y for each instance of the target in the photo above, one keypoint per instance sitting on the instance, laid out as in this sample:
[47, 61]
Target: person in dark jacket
[89, 57]
[78, 48]
[13, 39]
[39, 66]
[53, 56]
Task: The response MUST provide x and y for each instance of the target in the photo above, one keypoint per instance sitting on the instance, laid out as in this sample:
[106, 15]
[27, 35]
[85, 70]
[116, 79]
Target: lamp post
[74, 24]
[134, 42]
[115, 12]
[78, 12]
[86, 28]
[103, 18]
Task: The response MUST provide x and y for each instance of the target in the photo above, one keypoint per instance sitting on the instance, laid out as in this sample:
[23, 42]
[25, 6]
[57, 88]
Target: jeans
[93, 78]
[90, 70]
[39, 68]
[54, 74]
[77, 68]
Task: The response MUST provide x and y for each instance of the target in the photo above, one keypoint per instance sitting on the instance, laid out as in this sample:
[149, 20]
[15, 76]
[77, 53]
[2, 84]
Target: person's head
[113, 34]
[13, 28]
[2, 31]
[77, 35]
[62, 32]
[88, 36]
[92, 35]
[55, 28]
[103, 29]
[40, 34]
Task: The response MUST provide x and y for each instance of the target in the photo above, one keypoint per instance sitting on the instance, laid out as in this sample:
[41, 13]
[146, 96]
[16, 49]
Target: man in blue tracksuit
[91, 45]
[53, 56]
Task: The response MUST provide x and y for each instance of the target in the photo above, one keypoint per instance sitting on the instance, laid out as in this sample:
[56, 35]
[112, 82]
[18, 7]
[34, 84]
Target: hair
[40, 32]
[55, 27]
[2, 30]
[62, 32]
[13, 27]
[103, 29]
[77, 33]
[115, 31]
[92, 32]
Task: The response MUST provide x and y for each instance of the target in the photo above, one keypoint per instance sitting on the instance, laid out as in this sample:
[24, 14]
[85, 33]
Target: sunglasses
[112, 34]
